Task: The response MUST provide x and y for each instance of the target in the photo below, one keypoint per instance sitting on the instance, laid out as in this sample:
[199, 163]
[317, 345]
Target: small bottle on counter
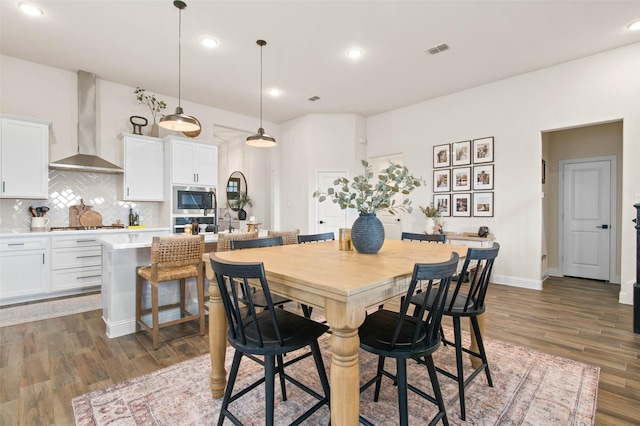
[136, 220]
[187, 229]
[131, 217]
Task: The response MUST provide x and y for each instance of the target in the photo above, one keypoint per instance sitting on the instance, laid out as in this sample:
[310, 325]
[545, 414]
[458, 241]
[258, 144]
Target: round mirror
[235, 185]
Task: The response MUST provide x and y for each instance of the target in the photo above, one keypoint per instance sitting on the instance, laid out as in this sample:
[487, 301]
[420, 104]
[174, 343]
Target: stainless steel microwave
[194, 200]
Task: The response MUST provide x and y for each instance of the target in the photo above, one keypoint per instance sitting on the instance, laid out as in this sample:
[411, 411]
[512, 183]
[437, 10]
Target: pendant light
[179, 121]
[260, 139]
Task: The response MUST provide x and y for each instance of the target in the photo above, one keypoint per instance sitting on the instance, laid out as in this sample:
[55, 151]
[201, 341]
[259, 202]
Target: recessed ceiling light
[274, 92]
[30, 9]
[208, 41]
[354, 53]
[634, 26]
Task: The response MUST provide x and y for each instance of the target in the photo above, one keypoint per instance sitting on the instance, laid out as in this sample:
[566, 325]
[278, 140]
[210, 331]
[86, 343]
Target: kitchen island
[121, 255]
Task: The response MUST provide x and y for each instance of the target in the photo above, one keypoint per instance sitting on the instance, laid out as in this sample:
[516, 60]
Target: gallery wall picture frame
[442, 155]
[442, 180]
[483, 204]
[483, 177]
[461, 204]
[443, 203]
[461, 153]
[483, 150]
[461, 179]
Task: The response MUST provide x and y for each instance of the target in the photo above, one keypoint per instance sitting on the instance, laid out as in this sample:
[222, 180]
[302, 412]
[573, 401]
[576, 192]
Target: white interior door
[330, 216]
[588, 203]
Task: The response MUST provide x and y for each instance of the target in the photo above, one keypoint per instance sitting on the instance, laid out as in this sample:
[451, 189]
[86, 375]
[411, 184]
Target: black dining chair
[403, 336]
[269, 333]
[477, 266]
[257, 296]
[433, 238]
[311, 238]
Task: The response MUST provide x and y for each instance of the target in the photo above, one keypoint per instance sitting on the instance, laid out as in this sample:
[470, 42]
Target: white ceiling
[135, 43]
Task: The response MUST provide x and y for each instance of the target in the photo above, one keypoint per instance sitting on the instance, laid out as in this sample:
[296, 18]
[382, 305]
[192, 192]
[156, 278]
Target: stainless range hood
[86, 159]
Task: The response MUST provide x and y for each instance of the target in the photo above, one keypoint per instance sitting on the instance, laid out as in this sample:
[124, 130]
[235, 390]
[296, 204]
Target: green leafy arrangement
[242, 200]
[154, 104]
[368, 197]
[430, 211]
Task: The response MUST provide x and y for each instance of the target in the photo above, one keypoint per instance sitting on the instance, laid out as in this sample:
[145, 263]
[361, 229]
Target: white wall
[515, 111]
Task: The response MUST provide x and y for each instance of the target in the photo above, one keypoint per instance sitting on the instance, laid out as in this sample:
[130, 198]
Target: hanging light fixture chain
[180, 55]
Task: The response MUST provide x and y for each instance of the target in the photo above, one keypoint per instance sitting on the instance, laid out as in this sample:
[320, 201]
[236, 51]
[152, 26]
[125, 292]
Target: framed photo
[443, 203]
[461, 179]
[461, 153]
[483, 177]
[483, 150]
[483, 204]
[441, 156]
[442, 180]
[461, 205]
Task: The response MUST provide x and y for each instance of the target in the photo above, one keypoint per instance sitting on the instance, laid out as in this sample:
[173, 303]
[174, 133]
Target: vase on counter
[430, 226]
[155, 130]
[367, 234]
[242, 214]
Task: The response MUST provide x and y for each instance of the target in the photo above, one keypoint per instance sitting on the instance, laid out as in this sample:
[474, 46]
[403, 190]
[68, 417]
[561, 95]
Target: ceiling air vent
[314, 98]
[437, 49]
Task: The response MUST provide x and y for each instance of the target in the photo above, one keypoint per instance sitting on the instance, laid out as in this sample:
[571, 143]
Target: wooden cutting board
[76, 211]
[91, 218]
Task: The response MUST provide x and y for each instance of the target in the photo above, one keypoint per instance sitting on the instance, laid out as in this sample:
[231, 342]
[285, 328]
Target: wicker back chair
[224, 239]
[288, 237]
[172, 258]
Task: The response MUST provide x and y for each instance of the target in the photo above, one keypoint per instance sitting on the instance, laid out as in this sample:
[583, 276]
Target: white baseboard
[517, 282]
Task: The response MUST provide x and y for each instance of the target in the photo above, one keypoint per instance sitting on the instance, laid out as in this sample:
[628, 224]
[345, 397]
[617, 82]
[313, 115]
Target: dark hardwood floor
[44, 364]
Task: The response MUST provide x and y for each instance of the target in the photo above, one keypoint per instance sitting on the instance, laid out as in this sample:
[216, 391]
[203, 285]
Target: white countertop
[135, 240]
[88, 232]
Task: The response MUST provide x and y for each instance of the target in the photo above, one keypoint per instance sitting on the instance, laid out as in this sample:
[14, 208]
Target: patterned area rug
[530, 388]
[49, 309]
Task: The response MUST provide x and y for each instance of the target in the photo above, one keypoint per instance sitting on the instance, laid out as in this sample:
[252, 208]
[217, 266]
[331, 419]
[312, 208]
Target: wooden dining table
[342, 283]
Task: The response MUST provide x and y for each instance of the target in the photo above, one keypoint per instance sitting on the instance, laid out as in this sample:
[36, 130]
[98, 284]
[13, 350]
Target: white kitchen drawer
[76, 278]
[76, 241]
[63, 258]
[19, 244]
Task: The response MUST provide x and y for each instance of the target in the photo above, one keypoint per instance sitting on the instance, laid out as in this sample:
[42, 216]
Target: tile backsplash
[67, 188]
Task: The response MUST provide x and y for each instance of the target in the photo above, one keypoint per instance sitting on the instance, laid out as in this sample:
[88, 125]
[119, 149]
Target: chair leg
[139, 282]
[317, 357]
[401, 378]
[155, 330]
[436, 388]
[458, 342]
[182, 297]
[483, 354]
[269, 382]
[280, 369]
[235, 366]
[376, 394]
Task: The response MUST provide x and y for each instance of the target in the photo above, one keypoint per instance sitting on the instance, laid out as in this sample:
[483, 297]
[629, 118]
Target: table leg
[475, 361]
[217, 337]
[345, 370]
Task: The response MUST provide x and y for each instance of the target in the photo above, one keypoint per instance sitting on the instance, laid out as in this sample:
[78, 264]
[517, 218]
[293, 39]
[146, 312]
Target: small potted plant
[433, 218]
[239, 203]
[368, 198]
[154, 105]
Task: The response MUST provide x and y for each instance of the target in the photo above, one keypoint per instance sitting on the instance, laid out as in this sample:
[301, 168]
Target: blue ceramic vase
[367, 233]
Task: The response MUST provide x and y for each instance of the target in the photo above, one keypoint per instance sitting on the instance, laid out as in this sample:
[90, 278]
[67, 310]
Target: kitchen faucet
[230, 227]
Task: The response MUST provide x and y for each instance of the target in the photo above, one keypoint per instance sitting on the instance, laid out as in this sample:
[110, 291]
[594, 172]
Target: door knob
[321, 222]
[603, 226]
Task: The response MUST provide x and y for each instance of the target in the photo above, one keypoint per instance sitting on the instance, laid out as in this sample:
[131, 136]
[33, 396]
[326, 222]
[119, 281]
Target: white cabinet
[24, 268]
[24, 158]
[143, 178]
[193, 163]
[76, 263]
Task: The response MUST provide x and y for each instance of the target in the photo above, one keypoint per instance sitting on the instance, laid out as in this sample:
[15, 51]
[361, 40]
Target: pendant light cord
[261, 46]
[179, 57]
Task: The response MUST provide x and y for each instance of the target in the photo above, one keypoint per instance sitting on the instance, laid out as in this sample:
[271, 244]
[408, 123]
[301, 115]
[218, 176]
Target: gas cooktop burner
[84, 228]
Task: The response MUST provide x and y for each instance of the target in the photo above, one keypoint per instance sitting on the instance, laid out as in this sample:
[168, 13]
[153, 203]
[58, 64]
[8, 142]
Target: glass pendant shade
[179, 121]
[260, 139]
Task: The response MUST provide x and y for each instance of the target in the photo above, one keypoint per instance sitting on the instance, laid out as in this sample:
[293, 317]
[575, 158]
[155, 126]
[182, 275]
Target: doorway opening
[568, 148]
